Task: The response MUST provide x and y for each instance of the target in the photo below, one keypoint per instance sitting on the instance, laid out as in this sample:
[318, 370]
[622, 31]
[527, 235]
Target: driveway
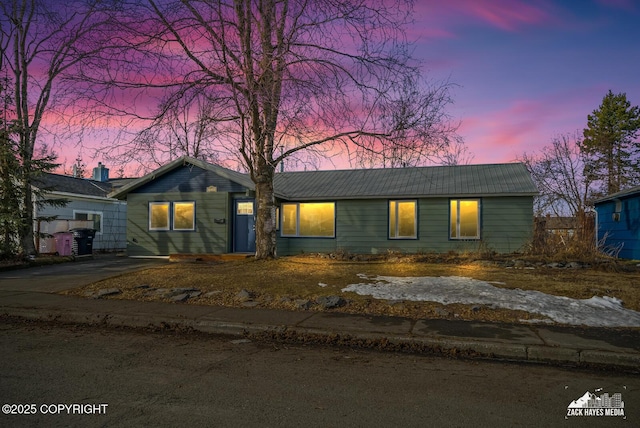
[63, 276]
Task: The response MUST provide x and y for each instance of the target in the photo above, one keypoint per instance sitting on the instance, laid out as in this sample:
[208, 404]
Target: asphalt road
[172, 379]
[64, 276]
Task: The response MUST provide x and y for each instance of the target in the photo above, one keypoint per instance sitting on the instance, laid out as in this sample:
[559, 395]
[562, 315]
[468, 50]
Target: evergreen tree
[9, 194]
[9, 190]
[610, 145]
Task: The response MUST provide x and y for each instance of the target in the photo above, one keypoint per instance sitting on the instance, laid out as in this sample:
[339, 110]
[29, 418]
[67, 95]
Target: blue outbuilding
[618, 223]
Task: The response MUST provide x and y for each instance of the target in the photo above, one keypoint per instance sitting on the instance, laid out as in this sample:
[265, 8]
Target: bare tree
[456, 153]
[185, 126]
[557, 171]
[40, 43]
[286, 76]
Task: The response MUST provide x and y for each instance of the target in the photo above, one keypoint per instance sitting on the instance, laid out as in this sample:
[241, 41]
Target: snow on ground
[596, 311]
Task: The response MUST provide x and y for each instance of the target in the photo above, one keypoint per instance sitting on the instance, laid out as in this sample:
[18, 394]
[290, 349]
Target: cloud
[506, 15]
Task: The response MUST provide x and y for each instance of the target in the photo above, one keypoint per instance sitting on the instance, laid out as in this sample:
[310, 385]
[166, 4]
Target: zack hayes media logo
[591, 404]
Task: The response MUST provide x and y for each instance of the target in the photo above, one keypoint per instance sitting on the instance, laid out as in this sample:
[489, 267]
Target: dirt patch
[295, 283]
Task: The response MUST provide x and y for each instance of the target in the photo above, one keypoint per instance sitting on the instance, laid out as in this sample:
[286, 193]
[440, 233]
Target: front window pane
[159, 216]
[289, 219]
[402, 219]
[454, 219]
[184, 215]
[393, 222]
[317, 219]
[465, 219]
[468, 219]
[406, 219]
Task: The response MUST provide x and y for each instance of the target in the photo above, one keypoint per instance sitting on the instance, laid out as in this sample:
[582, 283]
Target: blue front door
[244, 226]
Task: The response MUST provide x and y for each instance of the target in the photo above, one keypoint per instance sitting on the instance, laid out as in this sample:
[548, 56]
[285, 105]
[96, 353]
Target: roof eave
[396, 196]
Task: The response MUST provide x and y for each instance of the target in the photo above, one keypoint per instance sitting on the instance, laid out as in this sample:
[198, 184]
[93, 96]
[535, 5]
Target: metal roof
[434, 181]
[620, 194]
[511, 179]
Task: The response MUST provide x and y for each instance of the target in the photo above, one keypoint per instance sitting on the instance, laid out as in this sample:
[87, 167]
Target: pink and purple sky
[528, 71]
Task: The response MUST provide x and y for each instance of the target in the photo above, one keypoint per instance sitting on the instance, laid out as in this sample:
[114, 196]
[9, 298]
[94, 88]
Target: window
[402, 220]
[313, 219]
[159, 215]
[184, 215]
[172, 215]
[465, 219]
[93, 216]
[244, 208]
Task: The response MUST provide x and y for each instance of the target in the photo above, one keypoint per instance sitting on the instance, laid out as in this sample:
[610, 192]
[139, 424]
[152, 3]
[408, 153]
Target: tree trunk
[265, 219]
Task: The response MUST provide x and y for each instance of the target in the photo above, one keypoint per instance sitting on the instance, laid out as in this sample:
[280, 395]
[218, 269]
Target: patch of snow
[596, 311]
[322, 284]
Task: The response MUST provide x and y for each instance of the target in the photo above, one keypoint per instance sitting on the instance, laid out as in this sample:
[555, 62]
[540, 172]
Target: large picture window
[403, 222]
[465, 219]
[312, 219]
[184, 215]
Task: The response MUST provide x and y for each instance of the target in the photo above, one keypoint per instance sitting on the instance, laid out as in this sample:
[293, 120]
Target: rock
[180, 297]
[302, 304]
[243, 295]
[250, 304]
[330, 302]
[212, 293]
[185, 290]
[106, 292]
[193, 294]
[476, 308]
[574, 265]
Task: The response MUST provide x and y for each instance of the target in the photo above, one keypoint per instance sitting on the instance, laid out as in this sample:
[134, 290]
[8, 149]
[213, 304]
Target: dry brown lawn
[285, 282]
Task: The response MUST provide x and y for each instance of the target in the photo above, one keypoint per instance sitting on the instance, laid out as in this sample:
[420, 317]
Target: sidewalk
[33, 297]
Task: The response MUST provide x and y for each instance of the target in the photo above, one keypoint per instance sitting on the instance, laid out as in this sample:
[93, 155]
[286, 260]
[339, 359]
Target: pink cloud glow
[506, 15]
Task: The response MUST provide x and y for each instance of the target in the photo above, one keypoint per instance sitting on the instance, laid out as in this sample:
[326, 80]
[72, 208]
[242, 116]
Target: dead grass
[284, 282]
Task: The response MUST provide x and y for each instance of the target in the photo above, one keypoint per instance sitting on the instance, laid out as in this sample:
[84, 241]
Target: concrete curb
[452, 347]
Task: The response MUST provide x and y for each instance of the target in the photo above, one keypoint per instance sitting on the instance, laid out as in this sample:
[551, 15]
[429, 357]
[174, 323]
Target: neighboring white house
[88, 207]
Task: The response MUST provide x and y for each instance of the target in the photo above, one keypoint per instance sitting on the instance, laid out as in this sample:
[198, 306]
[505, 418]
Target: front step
[208, 257]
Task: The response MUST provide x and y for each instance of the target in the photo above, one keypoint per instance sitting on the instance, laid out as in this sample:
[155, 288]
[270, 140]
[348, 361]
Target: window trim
[173, 216]
[397, 223]
[297, 233]
[478, 220]
[100, 213]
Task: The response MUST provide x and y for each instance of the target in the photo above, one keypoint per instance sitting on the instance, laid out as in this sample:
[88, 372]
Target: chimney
[101, 173]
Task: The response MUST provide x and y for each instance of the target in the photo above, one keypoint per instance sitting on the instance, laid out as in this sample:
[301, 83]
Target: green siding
[208, 237]
[507, 223]
[362, 227]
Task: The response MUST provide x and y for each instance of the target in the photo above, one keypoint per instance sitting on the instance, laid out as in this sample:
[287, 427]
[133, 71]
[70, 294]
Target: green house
[192, 207]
